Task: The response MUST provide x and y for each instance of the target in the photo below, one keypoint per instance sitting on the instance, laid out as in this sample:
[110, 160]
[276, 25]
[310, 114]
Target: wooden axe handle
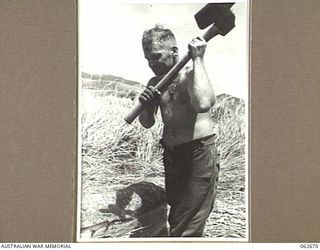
[166, 80]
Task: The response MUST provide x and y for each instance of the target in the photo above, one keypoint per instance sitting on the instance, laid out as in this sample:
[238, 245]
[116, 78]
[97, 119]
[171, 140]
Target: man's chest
[175, 103]
[175, 94]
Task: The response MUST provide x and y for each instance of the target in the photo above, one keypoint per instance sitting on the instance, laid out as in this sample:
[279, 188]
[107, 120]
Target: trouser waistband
[207, 140]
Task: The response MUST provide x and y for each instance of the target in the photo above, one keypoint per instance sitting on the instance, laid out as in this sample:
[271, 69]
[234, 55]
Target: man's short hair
[157, 36]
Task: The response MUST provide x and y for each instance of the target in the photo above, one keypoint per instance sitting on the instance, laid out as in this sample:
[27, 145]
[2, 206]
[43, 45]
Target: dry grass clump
[229, 117]
[109, 146]
[228, 220]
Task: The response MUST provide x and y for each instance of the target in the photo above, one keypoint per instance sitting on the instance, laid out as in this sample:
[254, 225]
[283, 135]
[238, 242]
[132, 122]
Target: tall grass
[228, 115]
[110, 146]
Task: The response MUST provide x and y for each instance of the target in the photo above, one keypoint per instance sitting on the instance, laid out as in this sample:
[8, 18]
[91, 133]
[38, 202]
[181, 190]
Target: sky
[110, 40]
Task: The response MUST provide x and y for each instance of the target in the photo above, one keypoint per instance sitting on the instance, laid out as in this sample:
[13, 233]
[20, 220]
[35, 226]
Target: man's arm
[150, 99]
[200, 90]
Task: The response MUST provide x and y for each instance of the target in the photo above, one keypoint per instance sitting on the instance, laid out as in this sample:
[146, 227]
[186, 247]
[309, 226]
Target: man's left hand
[197, 47]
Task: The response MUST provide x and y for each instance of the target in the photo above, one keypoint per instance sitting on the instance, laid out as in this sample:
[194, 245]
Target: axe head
[218, 14]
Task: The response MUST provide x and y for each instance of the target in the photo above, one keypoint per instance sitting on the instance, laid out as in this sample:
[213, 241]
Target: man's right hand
[150, 96]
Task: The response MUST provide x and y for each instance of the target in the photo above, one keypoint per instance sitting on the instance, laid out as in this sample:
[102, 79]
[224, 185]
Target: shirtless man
[191, 168]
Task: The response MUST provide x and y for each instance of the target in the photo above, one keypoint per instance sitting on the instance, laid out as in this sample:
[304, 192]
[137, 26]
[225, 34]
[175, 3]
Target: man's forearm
[200, 90]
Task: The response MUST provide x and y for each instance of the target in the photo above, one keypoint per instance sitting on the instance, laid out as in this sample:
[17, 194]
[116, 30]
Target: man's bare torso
[181, 123]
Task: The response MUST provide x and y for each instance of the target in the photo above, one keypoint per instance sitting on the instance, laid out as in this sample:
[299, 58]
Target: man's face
[160, 59]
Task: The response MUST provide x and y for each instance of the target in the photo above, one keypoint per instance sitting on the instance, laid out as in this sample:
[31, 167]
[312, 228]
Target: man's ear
[174, 50]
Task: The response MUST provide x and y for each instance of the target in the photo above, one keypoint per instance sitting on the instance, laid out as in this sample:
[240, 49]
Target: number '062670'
[309, 245]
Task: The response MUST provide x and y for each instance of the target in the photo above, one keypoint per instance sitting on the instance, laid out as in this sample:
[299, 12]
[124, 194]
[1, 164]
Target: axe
[222, 18]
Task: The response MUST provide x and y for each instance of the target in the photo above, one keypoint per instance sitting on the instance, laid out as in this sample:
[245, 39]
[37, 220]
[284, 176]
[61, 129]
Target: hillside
[121, 87]
[110, 84]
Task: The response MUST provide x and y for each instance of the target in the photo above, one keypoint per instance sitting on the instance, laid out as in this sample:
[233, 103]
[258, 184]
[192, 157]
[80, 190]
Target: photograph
[163, 121]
